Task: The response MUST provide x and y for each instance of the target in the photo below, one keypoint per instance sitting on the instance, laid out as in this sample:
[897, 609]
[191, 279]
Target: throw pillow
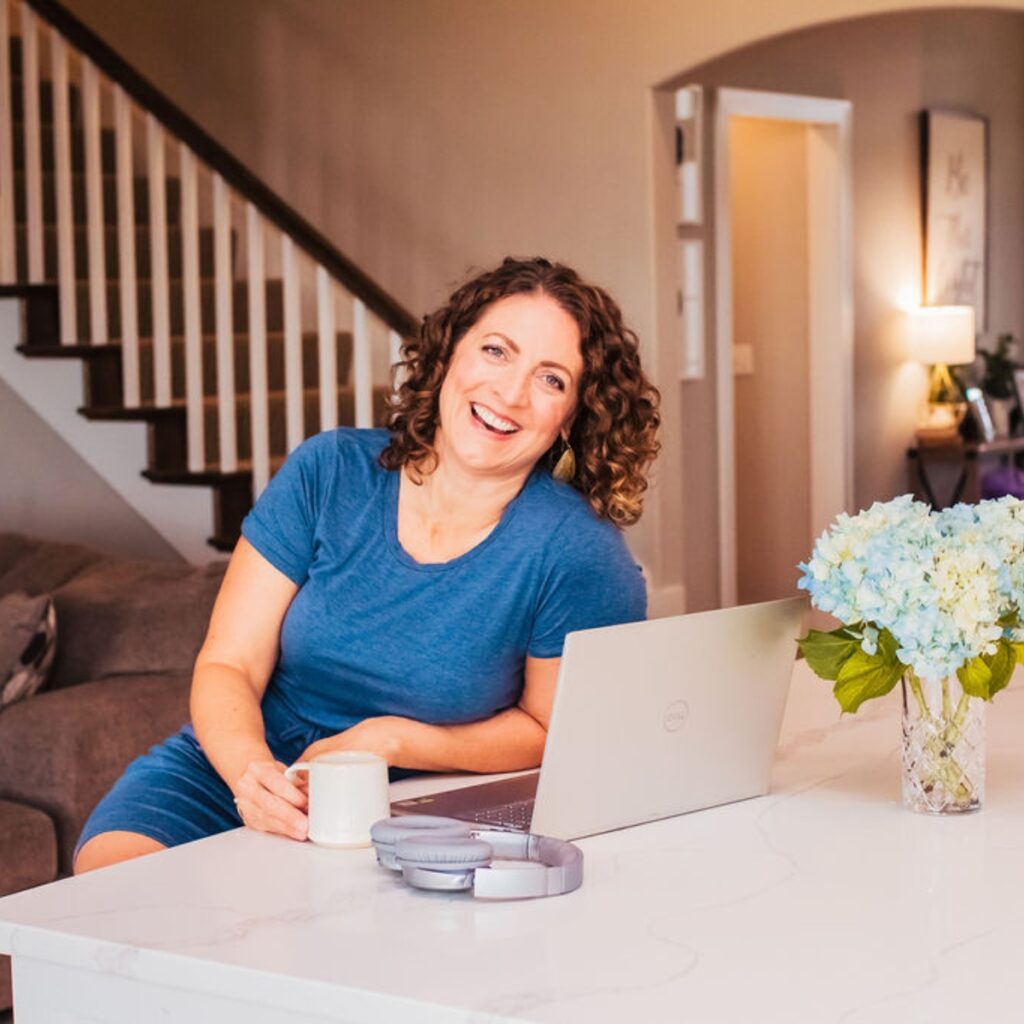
[28, 641]
[128, 617]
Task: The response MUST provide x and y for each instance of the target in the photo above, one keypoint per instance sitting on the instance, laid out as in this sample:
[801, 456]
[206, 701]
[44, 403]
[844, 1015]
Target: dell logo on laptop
[675, 716]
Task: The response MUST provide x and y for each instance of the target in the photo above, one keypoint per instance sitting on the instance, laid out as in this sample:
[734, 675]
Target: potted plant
[997, 382]
[932, 601]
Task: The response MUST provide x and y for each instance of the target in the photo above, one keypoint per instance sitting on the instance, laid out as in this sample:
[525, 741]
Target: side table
[924, 462]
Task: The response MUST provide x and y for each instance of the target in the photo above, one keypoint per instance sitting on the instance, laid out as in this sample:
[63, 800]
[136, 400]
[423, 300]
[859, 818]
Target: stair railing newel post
[66, 278]
[223, 282]
[33, 145]
[195, 425]
[126, 259]
[259, 417]
[98, 333]
[8, 264]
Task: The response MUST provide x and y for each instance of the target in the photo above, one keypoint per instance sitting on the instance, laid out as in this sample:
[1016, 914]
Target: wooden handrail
[238, 176]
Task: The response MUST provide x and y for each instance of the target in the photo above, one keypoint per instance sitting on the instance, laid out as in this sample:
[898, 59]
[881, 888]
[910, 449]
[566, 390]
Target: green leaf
[1009, 619]
[1002, 664]
[987, 674]
[864, 676]
[1018, 650]
[976, 678]
[887, 648]
[826, 652]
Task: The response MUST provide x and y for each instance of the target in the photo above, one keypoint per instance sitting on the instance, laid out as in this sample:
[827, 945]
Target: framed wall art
[955, 193]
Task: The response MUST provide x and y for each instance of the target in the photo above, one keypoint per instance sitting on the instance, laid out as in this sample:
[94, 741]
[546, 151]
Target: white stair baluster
[8, 262]
[195, 424]
[65, 211]
[293, 398]
[157, 174]
[126, 250]
[98, 334]
[33, 158]
[327, 350]
[394, 358]
[224, 286]
[259, 417]
[362, 365]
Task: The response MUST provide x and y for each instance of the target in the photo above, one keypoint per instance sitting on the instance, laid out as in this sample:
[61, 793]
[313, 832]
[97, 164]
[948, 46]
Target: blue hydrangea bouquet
[931, 599]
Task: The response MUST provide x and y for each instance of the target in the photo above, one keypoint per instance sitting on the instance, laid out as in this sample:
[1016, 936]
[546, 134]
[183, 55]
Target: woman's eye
[494, 350]
[553, 381]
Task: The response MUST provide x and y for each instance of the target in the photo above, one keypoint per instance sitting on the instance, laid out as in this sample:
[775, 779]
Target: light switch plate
[743, 360]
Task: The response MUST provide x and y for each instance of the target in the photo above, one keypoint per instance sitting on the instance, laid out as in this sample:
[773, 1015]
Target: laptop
[650, 719]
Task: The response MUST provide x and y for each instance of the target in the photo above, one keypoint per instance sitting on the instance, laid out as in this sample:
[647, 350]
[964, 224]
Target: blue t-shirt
[372, 631]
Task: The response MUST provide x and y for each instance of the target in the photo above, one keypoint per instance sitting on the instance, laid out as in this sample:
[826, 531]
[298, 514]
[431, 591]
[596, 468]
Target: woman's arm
[508, 741]
[231, 673]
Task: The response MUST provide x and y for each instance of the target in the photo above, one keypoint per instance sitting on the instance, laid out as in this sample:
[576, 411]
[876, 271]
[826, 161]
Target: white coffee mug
[348, 792]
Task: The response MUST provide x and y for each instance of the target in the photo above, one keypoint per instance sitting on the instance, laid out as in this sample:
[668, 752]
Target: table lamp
[942, 336]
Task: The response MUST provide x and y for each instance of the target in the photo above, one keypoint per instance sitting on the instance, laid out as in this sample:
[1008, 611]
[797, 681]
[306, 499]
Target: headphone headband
[563, 866]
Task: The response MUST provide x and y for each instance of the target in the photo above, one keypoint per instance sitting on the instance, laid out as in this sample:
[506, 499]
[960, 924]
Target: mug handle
[293, 769]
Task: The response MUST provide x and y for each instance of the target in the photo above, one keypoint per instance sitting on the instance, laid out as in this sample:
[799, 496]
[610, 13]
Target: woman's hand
[268, 802]
[382, 736]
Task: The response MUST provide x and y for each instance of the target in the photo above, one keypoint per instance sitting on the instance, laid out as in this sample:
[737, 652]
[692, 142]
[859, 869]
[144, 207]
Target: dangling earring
[565, 467]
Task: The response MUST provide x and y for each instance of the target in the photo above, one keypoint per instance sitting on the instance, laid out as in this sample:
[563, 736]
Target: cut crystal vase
[943, 747]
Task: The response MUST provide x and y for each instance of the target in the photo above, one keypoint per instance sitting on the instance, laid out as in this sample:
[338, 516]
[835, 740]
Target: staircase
[197, 301]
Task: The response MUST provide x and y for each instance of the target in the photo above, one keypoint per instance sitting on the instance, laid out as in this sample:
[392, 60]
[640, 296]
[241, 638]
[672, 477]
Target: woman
[408, 591]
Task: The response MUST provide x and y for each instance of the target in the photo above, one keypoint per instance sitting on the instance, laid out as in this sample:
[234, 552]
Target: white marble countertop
[824, 901]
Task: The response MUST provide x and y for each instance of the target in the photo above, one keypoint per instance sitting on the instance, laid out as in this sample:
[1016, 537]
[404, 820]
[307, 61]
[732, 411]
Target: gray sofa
[127, 636]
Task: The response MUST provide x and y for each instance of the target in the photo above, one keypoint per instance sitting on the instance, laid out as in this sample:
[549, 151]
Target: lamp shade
[942, 334]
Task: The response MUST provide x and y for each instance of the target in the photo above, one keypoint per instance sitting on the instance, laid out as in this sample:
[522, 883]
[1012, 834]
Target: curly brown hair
[616, 419]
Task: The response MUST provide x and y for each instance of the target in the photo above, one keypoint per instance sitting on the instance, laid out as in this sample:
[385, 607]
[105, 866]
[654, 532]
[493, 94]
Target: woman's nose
[515, 388]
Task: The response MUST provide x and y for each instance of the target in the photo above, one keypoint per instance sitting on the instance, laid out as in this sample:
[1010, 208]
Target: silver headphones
[451, 856]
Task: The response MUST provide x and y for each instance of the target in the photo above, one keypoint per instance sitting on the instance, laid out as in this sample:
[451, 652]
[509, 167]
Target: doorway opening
[784, 332]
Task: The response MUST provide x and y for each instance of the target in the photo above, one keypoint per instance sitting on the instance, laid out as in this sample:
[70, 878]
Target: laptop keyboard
[515, 815]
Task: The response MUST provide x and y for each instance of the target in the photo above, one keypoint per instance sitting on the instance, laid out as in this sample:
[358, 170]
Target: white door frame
[830, 306]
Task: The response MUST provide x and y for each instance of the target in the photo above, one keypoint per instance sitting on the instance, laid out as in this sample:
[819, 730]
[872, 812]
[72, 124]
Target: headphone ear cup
[390, 830]
[437, 853]
[386, 834]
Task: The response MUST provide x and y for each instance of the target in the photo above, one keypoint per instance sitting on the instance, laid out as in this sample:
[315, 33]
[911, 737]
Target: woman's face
[511, 386]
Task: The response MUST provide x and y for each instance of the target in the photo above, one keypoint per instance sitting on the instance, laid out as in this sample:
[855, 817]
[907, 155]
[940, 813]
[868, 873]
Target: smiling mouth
[492, 421]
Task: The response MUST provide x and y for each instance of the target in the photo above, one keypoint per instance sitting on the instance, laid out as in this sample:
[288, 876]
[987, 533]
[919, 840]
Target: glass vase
[943, 747]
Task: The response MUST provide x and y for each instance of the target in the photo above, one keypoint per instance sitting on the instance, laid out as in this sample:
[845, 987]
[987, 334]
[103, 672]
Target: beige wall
[428, 137]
